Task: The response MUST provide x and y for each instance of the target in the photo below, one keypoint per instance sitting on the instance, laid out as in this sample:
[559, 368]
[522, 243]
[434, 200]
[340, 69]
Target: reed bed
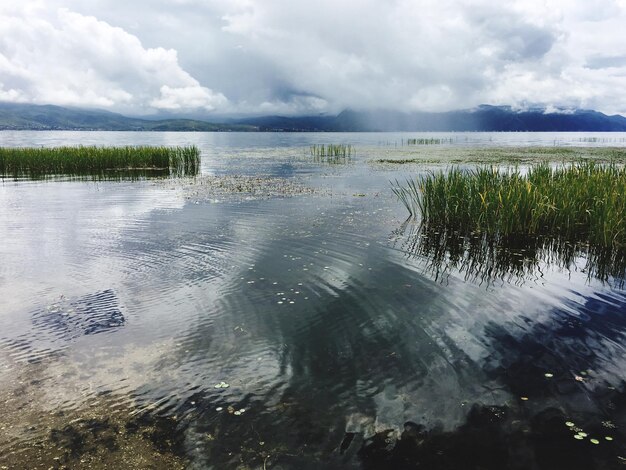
[99, 161]
[582, 202]
[431, 141]
[332, 152]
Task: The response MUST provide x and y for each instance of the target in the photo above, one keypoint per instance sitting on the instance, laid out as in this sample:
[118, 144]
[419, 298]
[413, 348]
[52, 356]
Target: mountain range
[484, 118]
[18, 116]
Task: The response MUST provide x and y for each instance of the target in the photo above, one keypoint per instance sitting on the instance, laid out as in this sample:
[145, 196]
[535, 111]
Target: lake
[167, 324]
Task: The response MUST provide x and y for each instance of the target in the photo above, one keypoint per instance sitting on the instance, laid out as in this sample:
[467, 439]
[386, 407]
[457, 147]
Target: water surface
[307, 331]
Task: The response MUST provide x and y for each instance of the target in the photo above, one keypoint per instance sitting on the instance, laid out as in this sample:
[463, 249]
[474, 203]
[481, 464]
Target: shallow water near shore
[278, 312]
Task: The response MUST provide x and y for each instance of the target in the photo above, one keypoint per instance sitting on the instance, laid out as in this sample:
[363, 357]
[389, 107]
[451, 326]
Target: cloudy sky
[291, 57]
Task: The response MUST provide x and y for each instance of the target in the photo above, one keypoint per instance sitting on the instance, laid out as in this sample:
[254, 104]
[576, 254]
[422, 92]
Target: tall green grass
[99, 161]
[582, 202]
[332, 153]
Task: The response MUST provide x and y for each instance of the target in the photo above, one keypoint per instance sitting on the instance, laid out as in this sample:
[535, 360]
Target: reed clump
[99, 161]
[430, 141]
[583, 202]
[332, 153]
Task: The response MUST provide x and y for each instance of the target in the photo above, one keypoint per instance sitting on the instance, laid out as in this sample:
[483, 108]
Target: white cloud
[63, 57]
[297, 57]
[189, 97]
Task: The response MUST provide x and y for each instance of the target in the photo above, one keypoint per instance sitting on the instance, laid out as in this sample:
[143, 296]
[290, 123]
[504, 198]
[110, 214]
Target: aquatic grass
[334, 150]
[409, 195]
[332, 153]
[430, 141]
[583, 202]
[99, 161]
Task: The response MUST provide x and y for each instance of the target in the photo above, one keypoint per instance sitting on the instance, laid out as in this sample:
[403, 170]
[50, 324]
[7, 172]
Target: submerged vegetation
[450, 155]
[332, 153]
[91, 161]
[582, 202]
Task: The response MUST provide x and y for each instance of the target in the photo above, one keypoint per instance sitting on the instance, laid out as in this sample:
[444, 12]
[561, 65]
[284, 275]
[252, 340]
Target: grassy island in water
[86, 161]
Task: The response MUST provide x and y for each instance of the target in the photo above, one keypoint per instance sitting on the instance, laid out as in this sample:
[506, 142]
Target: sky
[290, 57]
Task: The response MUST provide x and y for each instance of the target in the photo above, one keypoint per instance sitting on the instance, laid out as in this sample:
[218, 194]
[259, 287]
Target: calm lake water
[295, 331]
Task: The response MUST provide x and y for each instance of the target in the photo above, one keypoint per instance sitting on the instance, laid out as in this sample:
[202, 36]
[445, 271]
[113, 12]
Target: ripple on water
[314, 322]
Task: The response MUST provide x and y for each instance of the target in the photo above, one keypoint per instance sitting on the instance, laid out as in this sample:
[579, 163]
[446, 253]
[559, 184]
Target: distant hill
[17, 116]
[483, 118]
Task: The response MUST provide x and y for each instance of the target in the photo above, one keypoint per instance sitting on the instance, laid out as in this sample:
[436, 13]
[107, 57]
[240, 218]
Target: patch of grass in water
[430, 141]
[99, 162]
[332, 153]
[583, 202]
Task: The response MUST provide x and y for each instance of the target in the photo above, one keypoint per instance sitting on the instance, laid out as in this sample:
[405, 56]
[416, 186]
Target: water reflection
[376, 364]
[480, 257]
[373, 365]
[96, 176]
